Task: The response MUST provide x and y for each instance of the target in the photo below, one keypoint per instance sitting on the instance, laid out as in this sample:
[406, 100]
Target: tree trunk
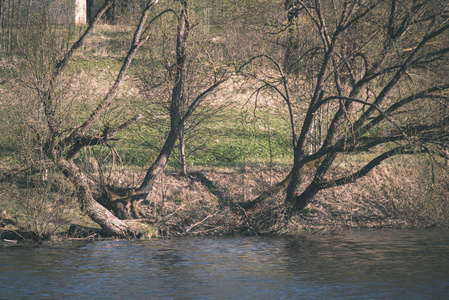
[293, 185]
[90, 10]
[80, 12]
[62, 153]
[177, 102]
[292, 45]
[99, 214]
[110, 15]
[182, 153]
[108, 222]
[158, 166]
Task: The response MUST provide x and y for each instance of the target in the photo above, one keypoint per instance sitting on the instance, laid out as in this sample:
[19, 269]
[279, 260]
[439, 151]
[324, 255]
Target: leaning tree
[63, 137]
[367, 76]
[62, 145]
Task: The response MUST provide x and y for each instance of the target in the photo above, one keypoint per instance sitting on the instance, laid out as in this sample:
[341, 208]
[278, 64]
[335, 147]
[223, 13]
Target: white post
[80, 12]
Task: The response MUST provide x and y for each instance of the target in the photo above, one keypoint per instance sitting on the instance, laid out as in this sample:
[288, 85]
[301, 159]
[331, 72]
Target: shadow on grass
[211, 186]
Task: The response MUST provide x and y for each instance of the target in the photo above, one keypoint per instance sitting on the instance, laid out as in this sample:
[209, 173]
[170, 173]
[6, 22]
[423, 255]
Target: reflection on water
[356, 264]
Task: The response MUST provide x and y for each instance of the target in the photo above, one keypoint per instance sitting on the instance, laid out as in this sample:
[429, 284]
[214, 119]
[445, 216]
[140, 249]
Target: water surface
[368, 264]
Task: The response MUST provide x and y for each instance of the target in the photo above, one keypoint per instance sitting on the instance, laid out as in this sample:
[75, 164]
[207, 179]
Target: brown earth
[207, 202]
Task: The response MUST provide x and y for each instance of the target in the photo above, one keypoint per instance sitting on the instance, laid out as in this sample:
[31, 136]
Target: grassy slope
[241, 152]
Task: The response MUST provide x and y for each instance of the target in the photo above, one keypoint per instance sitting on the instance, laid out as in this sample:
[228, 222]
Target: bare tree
[202, 72]
[62, 145]
[62, 140]
[182, 104]
[379, 69]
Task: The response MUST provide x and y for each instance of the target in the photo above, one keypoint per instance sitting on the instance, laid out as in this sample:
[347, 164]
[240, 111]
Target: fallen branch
[200, 222]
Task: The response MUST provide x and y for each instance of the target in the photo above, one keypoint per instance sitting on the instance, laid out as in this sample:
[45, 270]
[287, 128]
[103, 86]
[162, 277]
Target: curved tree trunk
[158, 166]
[63, 149]
[126, 207]
[98, 213]
[177, 102]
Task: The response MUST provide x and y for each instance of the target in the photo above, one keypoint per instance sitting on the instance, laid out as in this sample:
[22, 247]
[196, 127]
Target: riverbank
[209, 202]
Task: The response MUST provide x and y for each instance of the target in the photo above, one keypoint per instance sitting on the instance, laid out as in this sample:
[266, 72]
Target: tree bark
[63, 149]
[97, 212]
[178, 100]
[182, 152]
[292, 45]
[331, 65]
[158, 166]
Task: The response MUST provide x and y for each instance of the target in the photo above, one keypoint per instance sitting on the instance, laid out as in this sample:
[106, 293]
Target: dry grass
[206, 203]
[396, 194]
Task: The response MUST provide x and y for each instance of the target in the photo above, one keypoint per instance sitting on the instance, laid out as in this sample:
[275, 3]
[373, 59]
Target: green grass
[222, 140]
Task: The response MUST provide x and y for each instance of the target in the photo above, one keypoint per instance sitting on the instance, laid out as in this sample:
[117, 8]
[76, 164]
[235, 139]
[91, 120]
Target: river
[359, 264]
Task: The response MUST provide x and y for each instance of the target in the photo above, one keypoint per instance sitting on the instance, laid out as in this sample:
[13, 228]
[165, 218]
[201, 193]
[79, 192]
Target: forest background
[163, 118]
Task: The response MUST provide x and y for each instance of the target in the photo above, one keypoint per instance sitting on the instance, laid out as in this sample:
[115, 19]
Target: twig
[200, 222]
[181, 206]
